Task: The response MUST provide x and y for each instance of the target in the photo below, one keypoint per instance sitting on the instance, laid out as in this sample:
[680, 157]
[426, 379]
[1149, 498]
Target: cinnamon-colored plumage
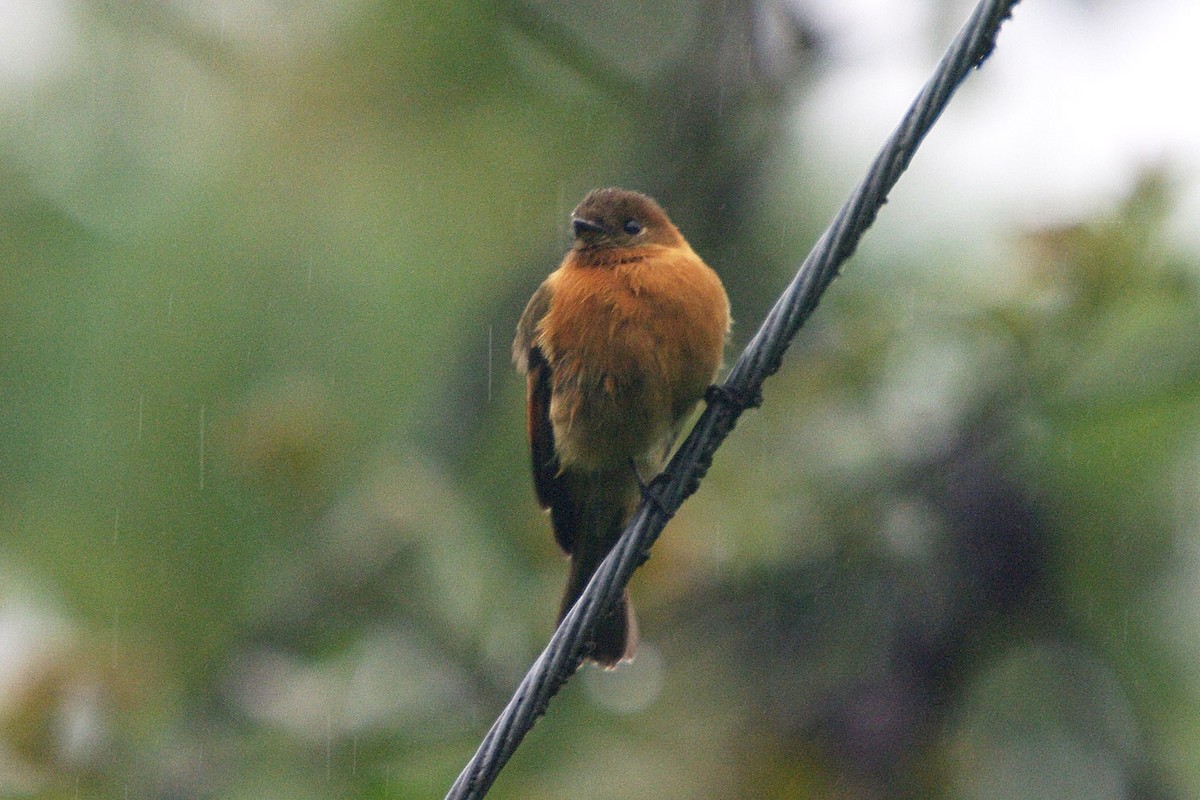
[617, 346]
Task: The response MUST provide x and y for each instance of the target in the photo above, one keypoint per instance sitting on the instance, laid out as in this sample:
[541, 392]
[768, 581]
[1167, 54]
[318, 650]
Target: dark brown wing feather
[548, 481]
[543, 458]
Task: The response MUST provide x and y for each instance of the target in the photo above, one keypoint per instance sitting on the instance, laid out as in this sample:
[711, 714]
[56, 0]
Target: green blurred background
[266, 527]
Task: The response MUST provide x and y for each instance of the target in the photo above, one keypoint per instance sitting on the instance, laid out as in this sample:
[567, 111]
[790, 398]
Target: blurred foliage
[266, 525]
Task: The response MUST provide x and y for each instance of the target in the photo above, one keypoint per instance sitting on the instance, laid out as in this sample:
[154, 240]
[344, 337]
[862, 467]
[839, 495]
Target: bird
[617, 346]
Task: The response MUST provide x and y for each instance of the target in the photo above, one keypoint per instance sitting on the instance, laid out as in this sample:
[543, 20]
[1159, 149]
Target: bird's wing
[543, 455]
[527, 327]
[548, 482]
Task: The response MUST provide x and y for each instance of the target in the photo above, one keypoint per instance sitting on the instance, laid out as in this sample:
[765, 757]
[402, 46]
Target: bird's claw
[652, 491]
[732, 396]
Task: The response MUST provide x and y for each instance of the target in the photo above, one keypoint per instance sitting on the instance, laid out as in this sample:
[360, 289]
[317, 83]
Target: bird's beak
[586, 226]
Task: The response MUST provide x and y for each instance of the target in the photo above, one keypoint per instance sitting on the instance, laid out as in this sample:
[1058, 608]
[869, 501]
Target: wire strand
[741, 389]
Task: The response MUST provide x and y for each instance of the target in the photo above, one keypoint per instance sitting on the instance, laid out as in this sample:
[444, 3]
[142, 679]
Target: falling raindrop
[116, 634]
[328, 747]
[116, 624]
[202, 412]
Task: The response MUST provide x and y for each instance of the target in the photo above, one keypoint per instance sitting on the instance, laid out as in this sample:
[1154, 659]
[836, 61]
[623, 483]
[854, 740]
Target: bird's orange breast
[632, 345]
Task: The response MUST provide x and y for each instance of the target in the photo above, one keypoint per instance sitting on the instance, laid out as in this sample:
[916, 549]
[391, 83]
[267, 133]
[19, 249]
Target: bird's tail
[588, 524]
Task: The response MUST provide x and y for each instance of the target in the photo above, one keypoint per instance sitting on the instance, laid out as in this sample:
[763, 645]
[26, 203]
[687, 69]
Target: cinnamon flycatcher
[617, 346]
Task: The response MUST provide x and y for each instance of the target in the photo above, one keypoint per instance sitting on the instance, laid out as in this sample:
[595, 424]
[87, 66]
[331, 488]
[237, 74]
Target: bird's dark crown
[620, 218]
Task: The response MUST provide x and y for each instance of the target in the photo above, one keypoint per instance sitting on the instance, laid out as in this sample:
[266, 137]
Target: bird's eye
[632, 227]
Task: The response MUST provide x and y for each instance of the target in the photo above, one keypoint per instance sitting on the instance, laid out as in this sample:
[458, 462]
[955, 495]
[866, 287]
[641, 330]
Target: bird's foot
[738, 398]
[652, 491]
